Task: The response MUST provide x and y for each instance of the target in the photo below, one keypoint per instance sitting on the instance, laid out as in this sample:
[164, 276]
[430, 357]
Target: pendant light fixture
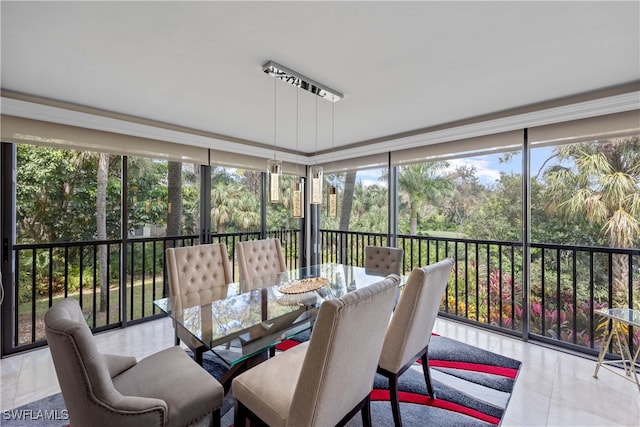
[290, 76]
[274, 167]
[298, 185]
[332, 193]
[316, 172]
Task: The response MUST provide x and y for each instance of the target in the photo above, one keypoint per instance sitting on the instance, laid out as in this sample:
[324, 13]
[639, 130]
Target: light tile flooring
[553, 388]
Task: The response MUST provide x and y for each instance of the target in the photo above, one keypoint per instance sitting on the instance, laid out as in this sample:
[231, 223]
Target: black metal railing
[568, 284]
[45, 273]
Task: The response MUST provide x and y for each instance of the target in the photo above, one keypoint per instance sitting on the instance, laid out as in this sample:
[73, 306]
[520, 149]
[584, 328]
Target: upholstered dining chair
[203, 271]
[384, 259]
[259, 259]
[164, 389]
[328, 379]
[409, 332]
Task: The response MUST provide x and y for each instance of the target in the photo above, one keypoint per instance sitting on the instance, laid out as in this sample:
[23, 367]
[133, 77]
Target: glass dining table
[241, 328]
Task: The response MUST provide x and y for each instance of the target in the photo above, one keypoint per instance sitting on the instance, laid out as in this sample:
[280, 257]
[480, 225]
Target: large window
[67, 209]
[163, 203]
[362, 198]
[468, 207]
[585, 196]
[361, 215]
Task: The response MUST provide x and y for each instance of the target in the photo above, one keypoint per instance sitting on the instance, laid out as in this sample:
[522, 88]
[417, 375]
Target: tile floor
[553, 388]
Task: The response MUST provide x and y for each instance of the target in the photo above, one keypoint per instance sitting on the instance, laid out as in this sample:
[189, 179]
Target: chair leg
[427, 374]
[395, 403]
[366, 413]
[239, 415]
[198, 355]
[215, 418]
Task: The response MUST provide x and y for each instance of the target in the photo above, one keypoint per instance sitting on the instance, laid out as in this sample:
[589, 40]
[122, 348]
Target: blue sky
[488, 167]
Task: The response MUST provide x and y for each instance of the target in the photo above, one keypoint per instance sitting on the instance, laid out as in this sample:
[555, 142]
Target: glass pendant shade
[316, 185]
[298, 198]
[333, 201]
[275, 172]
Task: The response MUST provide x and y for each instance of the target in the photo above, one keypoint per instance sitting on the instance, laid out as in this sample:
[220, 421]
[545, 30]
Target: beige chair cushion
[318, 383]
[384, 259]
[259, 258]
[415, 315]
[171, 375]
[93, 399]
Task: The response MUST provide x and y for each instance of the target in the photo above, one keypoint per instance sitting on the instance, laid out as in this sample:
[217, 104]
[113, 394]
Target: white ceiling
[403, 66]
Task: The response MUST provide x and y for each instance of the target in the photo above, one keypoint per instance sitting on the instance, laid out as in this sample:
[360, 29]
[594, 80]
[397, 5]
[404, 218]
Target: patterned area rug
[472, 388]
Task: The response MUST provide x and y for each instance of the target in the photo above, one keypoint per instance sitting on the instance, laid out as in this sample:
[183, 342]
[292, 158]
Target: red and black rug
[472, 388]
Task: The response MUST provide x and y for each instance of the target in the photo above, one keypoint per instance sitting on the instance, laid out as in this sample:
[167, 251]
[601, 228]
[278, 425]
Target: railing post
[392, 213]
[263, 205]
[526, 235]
[124, 220]
[205, 204]
[7, 233]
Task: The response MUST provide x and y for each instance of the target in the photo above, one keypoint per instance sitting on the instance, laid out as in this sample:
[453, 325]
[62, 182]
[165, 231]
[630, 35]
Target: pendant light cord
[297, 136]
[275, 118]
[333, 157]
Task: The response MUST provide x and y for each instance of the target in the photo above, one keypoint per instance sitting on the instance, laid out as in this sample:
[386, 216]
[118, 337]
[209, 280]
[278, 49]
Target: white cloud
[368, 182]
[485, 173]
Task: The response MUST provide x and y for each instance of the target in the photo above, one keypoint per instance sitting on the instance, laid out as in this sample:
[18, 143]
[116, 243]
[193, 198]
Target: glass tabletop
[247, 323]
[626, 315]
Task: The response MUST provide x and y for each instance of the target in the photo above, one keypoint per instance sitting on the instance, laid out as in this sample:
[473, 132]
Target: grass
[25, 329]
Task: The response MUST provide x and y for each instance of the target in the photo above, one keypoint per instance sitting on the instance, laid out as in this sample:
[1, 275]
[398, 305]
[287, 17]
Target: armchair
[164, 389]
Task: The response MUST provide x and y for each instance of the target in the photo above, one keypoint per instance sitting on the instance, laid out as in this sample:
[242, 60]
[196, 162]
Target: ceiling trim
[580, 110]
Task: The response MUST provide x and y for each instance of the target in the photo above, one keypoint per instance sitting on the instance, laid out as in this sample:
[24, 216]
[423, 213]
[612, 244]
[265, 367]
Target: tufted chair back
[326, 380]
[383, 259]
[409, 331]
[259, 258]
[203, 269]
[197, 273]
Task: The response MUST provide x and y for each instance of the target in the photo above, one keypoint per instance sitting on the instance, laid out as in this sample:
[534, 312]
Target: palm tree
[101, 225]
[245, 213]
[421, 184]
[602, 182]
[223, 200]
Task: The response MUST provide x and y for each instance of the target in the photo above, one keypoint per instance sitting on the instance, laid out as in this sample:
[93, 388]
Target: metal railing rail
[51, 271]
[569, 283]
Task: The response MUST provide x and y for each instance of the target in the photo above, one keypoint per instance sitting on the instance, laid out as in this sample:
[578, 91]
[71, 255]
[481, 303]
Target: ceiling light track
[293, 77]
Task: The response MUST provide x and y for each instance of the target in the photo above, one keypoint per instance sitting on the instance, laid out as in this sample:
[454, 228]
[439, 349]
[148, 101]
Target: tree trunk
[174, 207]
[414, 220]
[101, 224]
[345, 211]
[620, 274]
[174, 196]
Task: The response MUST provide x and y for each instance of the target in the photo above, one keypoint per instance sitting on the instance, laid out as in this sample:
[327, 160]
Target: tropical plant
[422, 184]
[600, 180]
